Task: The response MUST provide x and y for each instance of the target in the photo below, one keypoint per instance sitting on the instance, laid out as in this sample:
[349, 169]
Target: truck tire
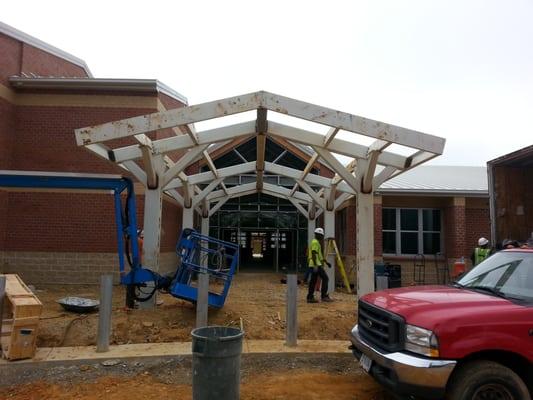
[485, 380]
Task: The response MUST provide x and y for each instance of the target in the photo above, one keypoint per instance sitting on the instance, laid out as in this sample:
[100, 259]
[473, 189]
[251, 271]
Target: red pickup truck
[472, 340]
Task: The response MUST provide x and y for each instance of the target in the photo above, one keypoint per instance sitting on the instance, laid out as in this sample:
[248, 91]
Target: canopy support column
[365, 243]
[203, 279]
[153, 208]
[329, 233]
[188, 218]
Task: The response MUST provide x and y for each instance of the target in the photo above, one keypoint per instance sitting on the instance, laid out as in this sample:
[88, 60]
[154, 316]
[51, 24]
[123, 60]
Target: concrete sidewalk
[134, 351]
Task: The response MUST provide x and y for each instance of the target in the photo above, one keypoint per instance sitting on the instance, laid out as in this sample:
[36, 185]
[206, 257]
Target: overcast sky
[453, 68]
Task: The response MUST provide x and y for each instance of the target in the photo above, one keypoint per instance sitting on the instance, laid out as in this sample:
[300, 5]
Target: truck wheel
[486, 380]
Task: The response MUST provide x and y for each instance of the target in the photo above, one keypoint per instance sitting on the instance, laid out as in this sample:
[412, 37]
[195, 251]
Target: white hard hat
[320, 231]
[482, 241]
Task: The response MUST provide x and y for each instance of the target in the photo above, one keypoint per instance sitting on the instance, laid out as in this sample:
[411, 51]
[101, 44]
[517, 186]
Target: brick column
[455, 229]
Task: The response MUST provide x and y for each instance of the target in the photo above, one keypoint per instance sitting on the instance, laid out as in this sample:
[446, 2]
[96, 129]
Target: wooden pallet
[20, 320]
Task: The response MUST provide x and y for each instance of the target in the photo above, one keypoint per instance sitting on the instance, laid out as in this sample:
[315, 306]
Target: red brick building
[69, 237]
[45, 93]
[429, 210]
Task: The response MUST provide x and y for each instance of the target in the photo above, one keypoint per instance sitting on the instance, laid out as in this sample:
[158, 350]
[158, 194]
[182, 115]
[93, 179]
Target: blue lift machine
[196, 253]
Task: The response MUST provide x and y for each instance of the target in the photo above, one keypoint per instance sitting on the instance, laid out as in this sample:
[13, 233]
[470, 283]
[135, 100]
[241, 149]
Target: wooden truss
[206, 192]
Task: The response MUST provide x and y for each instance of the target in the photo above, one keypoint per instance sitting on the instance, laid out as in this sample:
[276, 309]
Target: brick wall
[465, 220]
[477, 222]
[11, 50]
[47, 267]
[7, 128]
[455, 228]
[38, 62]
[46, 141]
[18, 57]
[65, 237]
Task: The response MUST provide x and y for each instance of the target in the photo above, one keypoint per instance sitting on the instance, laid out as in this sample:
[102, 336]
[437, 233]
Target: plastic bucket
[216, 362]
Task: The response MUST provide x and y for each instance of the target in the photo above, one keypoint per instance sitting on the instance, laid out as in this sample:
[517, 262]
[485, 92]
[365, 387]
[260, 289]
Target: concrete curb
[174, 349]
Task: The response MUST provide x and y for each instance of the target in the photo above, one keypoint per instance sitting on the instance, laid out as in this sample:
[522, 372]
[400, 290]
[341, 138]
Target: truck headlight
[421, 341]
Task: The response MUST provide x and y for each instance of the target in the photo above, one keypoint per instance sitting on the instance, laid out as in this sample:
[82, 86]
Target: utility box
[20, 320]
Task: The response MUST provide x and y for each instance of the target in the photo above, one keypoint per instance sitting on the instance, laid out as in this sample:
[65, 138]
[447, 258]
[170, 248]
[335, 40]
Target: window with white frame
[409, 231]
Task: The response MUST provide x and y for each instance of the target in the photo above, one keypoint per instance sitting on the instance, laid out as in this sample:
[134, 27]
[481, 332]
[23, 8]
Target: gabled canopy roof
[370, 165]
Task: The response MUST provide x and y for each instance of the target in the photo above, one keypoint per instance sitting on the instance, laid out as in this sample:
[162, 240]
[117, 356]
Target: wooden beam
[183, 142]
[261, 127]
[306, 170]
[310, 178]
[370, 169]
[383, 176]
[309, 190]
[185, 160]
[350, 168]
[330, 197]
[168, 119]
[210, 163]
[137, 171]
[208, 189]
[338, 168]
[217, 206]
[339, 146]
[152, 172]
[353, 123]
[330, 135]
[339, 201]
[208, 176]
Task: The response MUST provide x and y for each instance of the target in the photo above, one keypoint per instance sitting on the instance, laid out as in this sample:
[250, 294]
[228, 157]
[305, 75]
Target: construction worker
[316, 260]
[481, 252]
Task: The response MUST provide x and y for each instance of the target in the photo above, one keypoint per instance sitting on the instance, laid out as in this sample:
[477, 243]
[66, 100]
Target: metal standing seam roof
[439, 179]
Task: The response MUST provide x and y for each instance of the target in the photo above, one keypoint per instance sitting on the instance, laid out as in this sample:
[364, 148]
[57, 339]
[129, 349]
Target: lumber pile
[20, 320]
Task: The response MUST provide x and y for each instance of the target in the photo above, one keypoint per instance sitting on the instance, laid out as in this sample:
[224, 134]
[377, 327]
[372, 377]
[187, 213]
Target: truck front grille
[381, 327]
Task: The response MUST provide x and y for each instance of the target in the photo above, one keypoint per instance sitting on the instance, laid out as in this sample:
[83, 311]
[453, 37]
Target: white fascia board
[336, 145]
[353, 123]
[168, 119]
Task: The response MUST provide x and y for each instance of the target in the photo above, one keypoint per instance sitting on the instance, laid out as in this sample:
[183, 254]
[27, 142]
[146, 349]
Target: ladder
[332, 249]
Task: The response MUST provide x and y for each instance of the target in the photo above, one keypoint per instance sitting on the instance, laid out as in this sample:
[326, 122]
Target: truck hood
[430, 306]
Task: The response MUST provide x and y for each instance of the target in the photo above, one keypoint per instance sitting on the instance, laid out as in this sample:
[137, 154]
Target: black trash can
[216, 363]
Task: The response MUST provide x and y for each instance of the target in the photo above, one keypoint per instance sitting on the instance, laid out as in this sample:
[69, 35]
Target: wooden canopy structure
[205, 192]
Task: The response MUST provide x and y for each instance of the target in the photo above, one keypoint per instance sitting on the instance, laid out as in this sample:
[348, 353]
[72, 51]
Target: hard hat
[319, 231]
[482, 241]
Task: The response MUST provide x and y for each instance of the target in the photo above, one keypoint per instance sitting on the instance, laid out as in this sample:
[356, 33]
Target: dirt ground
[259, 299]
[294, 385]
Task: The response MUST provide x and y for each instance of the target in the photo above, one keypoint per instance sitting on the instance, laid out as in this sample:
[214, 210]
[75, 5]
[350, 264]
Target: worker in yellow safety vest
[482, 252]
[316, 261]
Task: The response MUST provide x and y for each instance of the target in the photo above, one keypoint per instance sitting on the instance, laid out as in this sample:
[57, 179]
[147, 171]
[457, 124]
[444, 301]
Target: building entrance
[265, 249]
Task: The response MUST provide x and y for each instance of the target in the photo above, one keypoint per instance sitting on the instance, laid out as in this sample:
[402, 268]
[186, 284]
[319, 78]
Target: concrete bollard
[291, 333]
[104, 317]
[202, 300]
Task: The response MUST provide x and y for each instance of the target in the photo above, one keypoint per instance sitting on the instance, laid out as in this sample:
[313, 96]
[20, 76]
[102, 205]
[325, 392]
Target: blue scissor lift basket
[203, 254]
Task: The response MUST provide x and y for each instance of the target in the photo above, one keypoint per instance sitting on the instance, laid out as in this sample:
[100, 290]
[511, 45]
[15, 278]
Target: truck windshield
[506, 274]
